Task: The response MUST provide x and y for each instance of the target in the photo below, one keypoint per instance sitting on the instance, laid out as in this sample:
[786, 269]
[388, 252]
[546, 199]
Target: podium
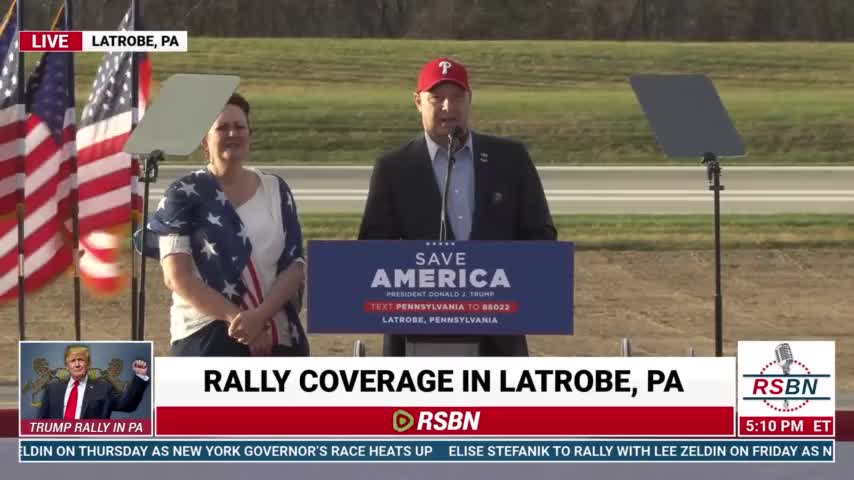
[440, 296]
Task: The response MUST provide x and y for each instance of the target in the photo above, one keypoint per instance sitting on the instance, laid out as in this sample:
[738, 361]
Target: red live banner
[451, 421]
[42, 41]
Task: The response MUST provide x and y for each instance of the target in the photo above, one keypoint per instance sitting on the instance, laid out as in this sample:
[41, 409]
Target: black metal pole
[713, 169]
[20, 209]
[149, 175]
[139, 333]
[75, 209]
[134, 92]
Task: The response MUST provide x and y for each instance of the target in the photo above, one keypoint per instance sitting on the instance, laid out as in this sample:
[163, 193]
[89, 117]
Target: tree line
[673, 20]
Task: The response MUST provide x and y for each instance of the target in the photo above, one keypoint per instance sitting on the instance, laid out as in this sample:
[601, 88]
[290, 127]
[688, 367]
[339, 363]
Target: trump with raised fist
[85, 397]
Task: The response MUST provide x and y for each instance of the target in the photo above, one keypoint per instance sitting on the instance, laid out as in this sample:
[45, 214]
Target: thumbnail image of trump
[78, 381]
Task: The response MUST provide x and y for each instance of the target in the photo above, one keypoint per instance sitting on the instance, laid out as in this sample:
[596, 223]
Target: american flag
[108, 178]
[104, 171]
[11, 117]
[195, 206]
[48, 184]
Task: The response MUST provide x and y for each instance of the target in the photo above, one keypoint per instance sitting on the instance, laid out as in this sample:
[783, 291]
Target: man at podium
[494, 190]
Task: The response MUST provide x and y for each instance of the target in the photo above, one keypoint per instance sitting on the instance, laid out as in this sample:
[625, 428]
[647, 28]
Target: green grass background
[347, 100]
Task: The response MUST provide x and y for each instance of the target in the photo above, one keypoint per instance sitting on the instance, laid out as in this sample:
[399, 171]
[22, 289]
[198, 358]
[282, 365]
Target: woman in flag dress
[230, 245]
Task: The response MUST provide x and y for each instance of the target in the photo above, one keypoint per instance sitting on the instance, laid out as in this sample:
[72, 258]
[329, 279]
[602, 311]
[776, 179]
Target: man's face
[443, 107]
[77, 365]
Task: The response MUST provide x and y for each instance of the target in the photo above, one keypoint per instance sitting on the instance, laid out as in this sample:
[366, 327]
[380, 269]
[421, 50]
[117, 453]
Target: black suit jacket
[99, 401]
[404, 203]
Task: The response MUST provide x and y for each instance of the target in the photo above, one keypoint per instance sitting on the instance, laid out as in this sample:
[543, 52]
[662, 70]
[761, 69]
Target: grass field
[345, 101]
[660, 232]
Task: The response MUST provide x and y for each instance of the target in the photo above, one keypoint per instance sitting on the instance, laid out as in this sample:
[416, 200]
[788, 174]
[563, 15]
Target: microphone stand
[439, 345]
[443, 229]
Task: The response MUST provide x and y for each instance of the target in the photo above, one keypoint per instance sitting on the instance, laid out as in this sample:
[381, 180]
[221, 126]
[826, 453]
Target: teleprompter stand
[690, 121]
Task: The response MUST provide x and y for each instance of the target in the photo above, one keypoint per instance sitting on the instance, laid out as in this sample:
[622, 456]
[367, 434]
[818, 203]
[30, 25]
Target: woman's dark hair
[240, 102]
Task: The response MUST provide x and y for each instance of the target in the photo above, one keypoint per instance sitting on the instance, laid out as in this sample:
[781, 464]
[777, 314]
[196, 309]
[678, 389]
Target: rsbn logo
[791, 389]
[441, 421]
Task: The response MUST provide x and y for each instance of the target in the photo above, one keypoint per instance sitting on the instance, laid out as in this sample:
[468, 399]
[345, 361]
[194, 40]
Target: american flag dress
[196, 207]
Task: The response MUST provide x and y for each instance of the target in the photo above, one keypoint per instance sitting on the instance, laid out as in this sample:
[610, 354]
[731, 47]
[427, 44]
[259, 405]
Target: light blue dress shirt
[461, 195]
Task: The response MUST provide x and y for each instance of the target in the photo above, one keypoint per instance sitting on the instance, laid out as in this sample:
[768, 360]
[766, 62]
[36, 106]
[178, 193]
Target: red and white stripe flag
[281, 330]
[99, 266]
[49, 150]
[108, 178]
[12, 117]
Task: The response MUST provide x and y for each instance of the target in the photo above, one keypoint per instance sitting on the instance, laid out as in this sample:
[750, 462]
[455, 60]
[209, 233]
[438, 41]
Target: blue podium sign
[440, 288]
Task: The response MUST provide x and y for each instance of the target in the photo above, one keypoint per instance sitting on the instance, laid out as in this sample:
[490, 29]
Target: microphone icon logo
[783, 354]
[786, 388]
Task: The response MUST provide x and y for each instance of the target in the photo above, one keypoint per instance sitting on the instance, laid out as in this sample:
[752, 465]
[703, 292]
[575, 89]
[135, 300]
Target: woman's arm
[284, 289]
[179, 278]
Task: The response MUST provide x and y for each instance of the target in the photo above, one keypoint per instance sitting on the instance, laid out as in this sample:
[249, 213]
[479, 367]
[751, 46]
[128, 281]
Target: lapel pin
[484, 157]
[496, 198]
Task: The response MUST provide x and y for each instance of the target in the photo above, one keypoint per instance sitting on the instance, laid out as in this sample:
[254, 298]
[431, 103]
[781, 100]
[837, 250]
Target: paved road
[602, 189]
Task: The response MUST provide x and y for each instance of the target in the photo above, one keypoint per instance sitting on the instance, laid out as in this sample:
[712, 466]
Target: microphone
[454, 135]
[783, 353]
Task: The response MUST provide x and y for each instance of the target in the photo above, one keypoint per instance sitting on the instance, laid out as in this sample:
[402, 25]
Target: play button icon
[402, 421]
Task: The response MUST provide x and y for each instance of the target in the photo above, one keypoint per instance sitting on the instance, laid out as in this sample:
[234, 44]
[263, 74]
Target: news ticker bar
[103, 41]
[478, 451]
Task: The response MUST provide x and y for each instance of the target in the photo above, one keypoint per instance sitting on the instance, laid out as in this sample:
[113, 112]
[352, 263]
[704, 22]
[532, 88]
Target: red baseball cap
[442, 70]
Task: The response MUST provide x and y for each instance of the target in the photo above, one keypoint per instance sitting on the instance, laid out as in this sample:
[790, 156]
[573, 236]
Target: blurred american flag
[108, 178]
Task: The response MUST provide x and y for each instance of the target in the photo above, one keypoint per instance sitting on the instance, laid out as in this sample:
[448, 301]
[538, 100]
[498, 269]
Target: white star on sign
[229, 290]
[188, 188]
[208, 249]
[214, 219]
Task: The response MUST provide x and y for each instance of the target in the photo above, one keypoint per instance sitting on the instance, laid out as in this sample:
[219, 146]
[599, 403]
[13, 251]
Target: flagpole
[138, 287]
[20, 171]
[75, 208]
